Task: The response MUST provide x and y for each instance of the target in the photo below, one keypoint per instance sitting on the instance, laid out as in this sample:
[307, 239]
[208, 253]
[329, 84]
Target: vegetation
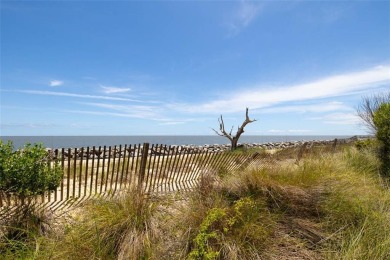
[369, 106]
[332, 205]
[27, 171]
[382, 123]
[375, 114]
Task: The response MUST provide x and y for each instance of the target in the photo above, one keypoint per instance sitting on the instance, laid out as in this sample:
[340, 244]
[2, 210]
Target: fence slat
[123, 166]
[146, 182]
[74, 172]
[167, 161]
[108, 168]
[118, 167]
[55, 165]
[97, 169]
[63, 173]
[155, 167]
[184, 166]
[92, 170]
[86, 172]
[199, 162]
[103, 167]
[131, 154]
[170, 169]
[194, 164]
[174, 168]
[81, 171]
[137, 162]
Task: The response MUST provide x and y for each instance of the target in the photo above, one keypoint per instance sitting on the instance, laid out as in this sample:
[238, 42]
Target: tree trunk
[233, 138]
[234, 142]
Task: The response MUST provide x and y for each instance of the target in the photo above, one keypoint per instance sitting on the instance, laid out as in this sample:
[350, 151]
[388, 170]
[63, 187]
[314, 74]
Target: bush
[382, 122]
[240, 229]
[28, 171]
[367, 144]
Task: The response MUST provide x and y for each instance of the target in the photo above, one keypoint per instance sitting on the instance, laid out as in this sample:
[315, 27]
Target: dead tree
[233, 138]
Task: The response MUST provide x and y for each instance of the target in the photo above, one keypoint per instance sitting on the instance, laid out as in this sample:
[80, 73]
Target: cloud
[56, 83]
[260, 97]
[310, 108]
[150, 112]
[170, 121]
[101, 113]
[244, 16]
[173, 123]
[134, 111]
[114, 90]
[339, 119]
[66, 94]
[290, 131]
[28, 125]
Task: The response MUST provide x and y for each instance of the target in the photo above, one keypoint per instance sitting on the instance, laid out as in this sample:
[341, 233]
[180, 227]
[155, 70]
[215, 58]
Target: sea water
[85, 141]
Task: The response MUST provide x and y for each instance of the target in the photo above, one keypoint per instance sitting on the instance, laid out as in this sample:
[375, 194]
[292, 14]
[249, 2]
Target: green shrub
[244, 227]
[209, 235]
[382, 122]
[366, 144]
[24, 173]
[27, 171]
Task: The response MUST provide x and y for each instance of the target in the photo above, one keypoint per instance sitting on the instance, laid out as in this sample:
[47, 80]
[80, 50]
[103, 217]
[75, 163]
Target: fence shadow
[154, 169]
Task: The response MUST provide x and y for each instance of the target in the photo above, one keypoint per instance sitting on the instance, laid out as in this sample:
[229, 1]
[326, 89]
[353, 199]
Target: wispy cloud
[137, 111]
[243, 16]
[178, 121]
[339, 119]
[320, 107]
[102, 113]
[149, 112]
[114, 90]
[67, 94]
[260, 97]
[28, 125]
[56, 83]
[290, 131]
[173, 123]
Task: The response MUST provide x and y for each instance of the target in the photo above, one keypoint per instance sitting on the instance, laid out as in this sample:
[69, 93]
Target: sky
[173, 67]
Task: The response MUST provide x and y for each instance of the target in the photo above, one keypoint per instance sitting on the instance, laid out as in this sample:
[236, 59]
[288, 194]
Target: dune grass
[329, 205]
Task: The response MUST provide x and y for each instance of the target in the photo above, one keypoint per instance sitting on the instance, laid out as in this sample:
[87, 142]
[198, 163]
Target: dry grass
[330, 205]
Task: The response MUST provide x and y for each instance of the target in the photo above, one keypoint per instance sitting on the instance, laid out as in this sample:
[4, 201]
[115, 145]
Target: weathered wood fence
[106, 171]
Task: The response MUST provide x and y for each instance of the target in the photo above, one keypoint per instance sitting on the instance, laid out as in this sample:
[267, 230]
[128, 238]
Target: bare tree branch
[247, 121]
[233, 138]
[222, 131]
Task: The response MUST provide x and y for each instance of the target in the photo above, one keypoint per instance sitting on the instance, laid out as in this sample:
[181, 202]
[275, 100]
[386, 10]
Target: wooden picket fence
[107, 171]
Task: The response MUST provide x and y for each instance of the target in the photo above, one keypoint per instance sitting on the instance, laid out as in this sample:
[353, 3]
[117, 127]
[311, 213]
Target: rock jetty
[163, 150]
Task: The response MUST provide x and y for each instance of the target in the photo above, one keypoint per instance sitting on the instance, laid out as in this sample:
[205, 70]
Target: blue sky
[172, 67]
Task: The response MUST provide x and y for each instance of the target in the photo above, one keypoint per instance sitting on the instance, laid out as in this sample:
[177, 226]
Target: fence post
[334, 145]
[301, 152]
[144, 158]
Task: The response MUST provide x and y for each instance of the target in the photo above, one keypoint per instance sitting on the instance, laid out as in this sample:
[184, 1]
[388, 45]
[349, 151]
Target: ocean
[85, 141]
